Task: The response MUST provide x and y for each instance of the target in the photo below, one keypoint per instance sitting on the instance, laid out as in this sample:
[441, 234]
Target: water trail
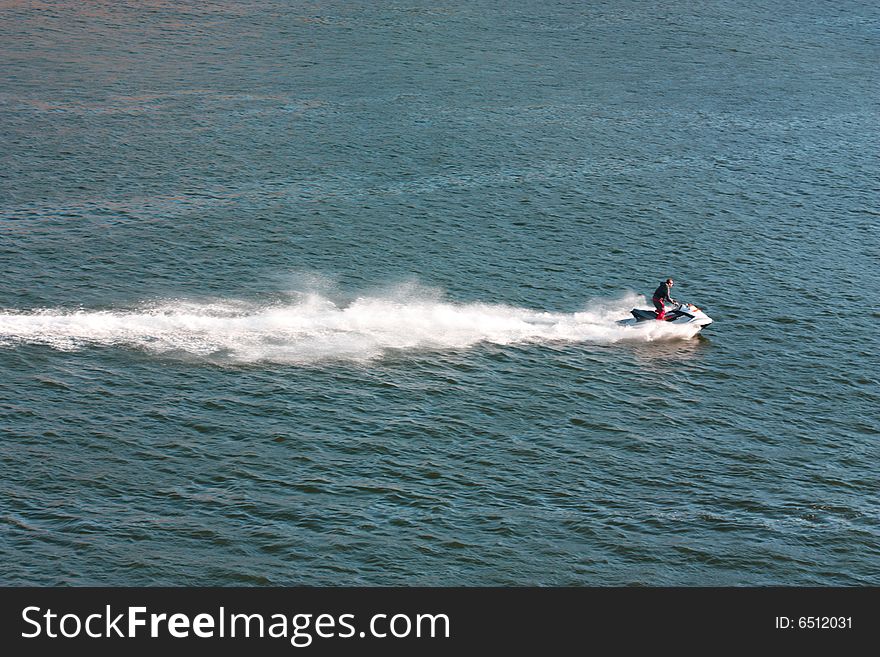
[313, 328]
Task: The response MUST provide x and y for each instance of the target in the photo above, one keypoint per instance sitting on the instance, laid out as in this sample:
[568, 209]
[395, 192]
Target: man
[661, 294]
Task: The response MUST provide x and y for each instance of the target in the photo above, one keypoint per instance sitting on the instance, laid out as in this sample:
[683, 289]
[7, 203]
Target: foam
[312, 327]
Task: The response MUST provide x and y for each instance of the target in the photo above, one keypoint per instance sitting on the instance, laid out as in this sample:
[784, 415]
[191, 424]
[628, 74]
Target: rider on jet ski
[661, 294]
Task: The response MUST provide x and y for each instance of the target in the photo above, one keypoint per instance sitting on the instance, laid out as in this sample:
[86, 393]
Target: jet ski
[680, 314]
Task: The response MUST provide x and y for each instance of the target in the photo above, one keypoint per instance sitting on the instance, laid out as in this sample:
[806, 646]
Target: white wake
[314, 328]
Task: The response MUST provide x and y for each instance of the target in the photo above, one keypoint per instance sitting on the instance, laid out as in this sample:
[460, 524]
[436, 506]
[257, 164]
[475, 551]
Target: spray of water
[312, 328]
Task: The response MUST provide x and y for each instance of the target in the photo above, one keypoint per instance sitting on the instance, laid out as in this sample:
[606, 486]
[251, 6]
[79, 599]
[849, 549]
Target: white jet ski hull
[681, 314]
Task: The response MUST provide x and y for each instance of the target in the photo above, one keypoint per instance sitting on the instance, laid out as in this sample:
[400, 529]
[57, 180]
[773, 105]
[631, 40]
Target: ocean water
[326, 293]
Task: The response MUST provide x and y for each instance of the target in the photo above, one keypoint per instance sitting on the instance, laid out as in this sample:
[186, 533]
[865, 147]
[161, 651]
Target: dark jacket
[662, 292]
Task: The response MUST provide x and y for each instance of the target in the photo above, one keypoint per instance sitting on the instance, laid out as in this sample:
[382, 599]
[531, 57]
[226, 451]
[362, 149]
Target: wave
[313, 328]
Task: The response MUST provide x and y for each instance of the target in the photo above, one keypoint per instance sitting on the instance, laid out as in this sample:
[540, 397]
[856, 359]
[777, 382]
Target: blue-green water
[325, 293]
